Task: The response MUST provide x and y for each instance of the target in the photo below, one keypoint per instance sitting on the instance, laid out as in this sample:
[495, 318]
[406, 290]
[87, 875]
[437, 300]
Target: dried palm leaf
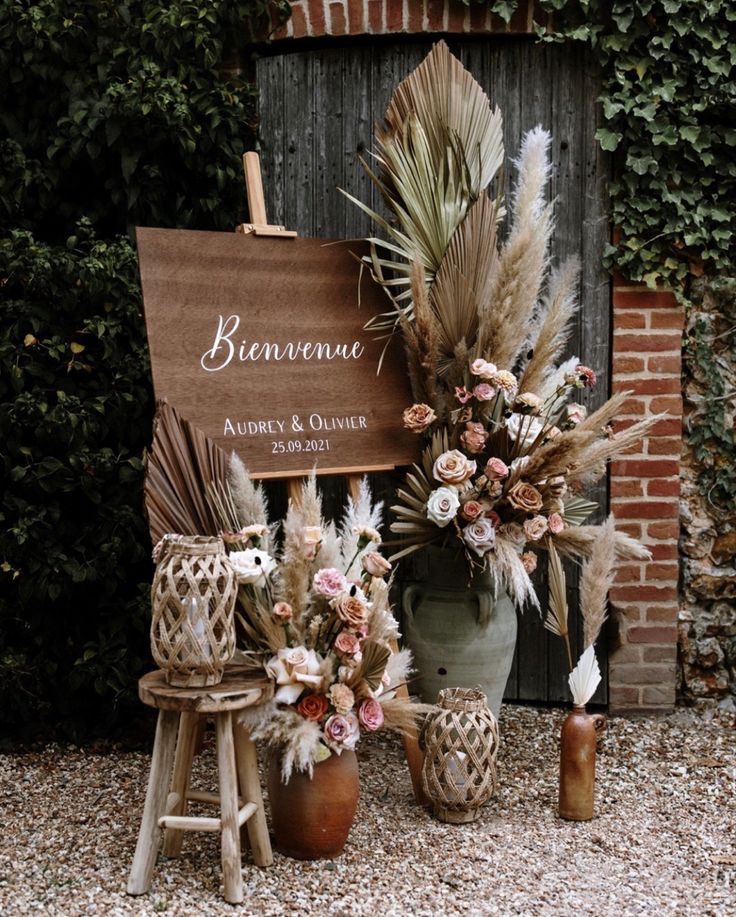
[181, 467]
[585, 678]
[556, 620]
[577, 509]
[372, 665]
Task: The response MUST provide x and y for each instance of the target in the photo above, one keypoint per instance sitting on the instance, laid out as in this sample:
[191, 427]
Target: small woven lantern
[461, 743]
[193, 598]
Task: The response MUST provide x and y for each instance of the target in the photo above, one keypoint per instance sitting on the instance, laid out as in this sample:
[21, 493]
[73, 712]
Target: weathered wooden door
[318, 108]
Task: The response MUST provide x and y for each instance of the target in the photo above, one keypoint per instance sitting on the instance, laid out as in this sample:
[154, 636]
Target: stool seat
[182, 711]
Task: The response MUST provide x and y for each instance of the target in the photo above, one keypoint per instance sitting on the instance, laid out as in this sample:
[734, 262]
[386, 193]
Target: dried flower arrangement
[311, 612]
[509, 451]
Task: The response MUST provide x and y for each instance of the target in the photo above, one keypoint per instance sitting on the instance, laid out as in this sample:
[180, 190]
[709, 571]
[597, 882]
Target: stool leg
[185, 745]
[250, 790]
[141, 872]
[232, 875]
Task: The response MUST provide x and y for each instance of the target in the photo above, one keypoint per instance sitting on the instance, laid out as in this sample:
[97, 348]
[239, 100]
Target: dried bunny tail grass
[422, 341]
[248, 499]
[295, 568]
[401, 714]
[399, 667]
[330, 550]
[596, 581]
[525, 256]
[556, 380]
[509, 571]
[283, 728]
[578, 541]
[360, 513]
[560, 306]
[383, 624]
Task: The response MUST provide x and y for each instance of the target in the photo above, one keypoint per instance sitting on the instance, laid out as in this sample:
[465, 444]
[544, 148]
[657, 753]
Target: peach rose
[474, 438]
[529, 562]
[453, 468]
[419, 417]
[347, 643]
[282, 612]
[496, 470]
[525, 497]
[471, 510]
[351, 611]
[535, 527]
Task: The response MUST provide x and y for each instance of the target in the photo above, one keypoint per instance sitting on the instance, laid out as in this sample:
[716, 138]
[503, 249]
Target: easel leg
[250, 790]
[141, 871]
[232, 876]
[188, 729]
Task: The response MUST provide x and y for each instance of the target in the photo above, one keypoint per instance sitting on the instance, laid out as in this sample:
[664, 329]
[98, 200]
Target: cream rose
[374, 564]
[419, 417]
[480, 536]
[524, 429]
[483, 369]
[556, 523]
[294, 669]
[311, 538]
[442, 506]
[528, 403]
[525, 497]
[453, 468]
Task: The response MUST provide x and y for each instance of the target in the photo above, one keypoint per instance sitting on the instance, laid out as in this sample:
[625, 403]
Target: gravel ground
[662, 841]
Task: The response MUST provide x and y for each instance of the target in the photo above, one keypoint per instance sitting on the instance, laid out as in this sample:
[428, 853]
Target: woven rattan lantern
[193, 598]
[461, 743]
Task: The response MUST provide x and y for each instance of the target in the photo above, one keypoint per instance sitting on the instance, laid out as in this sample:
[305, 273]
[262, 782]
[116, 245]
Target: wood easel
[260, 226]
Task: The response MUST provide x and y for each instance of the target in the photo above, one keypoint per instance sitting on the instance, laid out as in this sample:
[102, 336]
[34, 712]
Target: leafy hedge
[111, 115]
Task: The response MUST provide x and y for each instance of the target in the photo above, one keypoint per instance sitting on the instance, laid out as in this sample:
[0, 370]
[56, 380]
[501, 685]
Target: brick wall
[646, 361]
[645, 492]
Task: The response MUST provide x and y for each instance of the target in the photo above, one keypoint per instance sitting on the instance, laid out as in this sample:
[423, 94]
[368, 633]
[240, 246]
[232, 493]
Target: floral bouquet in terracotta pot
[314, 615]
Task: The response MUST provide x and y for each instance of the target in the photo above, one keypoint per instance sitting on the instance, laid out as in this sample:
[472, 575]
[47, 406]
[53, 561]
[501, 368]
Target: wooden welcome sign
[259, 343]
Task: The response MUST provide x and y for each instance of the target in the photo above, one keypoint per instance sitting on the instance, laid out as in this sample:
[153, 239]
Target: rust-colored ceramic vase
[577, 763]
[311, 818]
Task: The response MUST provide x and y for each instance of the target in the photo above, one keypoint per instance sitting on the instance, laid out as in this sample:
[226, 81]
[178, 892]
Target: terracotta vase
[459, 632]
[577, 763]
[311, 818]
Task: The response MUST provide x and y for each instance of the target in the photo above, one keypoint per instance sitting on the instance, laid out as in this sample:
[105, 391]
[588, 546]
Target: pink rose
[370, 715]
[351, 611]
[484, 392]
[556, 523]
[282, 612]
[529, 561]
[482, 369]
[453, 468]
[374, 564]
[471, 510]
[342, 731]
[329, 582]
[474, 438]
[496, 470]
[576, 413]
[419, 417]
[535, 527]
[347, 643]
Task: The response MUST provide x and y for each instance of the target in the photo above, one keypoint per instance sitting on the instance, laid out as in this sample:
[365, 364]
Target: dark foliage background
[111, 115]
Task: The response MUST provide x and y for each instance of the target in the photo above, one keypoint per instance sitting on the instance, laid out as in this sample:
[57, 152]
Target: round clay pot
[311, 818]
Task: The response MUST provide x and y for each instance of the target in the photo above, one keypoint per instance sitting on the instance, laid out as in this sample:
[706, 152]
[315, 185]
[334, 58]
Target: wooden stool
[185, 709]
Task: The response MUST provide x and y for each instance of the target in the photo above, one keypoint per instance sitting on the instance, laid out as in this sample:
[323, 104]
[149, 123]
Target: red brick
[642, 299]
[658, 696]
[643, 593]
[632, 673]
[636, 448]
[629, 652]
[632, 529]
[645, 468]
[663, 571]
[660, 386]
[355, 17]
[622, 697]
[665, 364]
[632, 613]
[626, 487]
[664, 551]
[338, 25]
[630, 320]
[456, 19]
[667, 653]
[633, 406]
[395, 16]
[299, 22]
[663, 530]
[663, 487]
[646, 343]
[669, 404]
[669, 318]
[317, 18]
[662, 445]
[640, 509]
[662, 614]
[657, 633]
[668, 426]
[416, 11]
[627, 364]
[436, 15]
[631, 573]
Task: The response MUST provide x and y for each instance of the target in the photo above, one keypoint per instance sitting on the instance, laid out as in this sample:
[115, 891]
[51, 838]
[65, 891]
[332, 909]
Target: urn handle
[599, 721]
[485, 607]
[412, 590]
